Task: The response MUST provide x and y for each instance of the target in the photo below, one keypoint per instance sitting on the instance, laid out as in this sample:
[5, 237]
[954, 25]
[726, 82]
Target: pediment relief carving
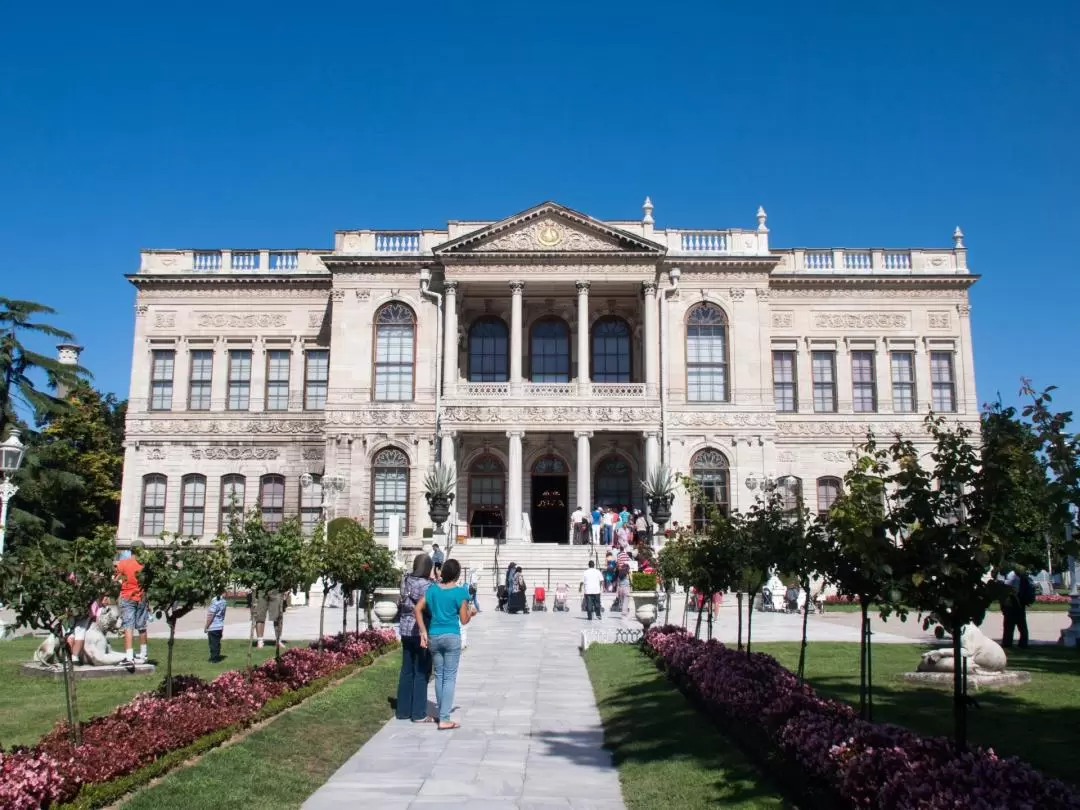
[548, 235]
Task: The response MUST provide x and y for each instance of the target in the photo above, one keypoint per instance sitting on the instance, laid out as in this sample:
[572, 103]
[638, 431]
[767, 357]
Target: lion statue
[96, 650]
[982, 654]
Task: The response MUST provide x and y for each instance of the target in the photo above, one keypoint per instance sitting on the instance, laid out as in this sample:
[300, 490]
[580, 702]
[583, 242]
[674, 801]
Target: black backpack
[1027, 590]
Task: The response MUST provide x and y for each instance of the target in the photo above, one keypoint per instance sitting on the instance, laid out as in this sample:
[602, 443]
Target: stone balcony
[226, 262]
[534, 392]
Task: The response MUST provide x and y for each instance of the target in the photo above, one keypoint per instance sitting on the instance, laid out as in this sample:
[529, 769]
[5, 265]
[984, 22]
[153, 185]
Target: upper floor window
[192, 505]
[239, 379]
[277, 379]
[706, 354]
[942, 382]
[316, 378]
[790, 492]
[395, 337]
[488, 351]
[202, 372]
[152, 519]
[611, 350]
[785, 388]
[549, 351]
[823, 367]
[863, 382]
[709, 468]
[272, 500]
[828, 490]
[903, 381]
[311, 498]
[161, 379]
[613, 484]
[389, 490]
[232, 500]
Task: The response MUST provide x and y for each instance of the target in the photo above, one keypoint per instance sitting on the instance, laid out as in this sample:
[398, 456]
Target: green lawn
[284, 762]
[30, 707]
[668, 755]
[1038, 607]
[1038, 722]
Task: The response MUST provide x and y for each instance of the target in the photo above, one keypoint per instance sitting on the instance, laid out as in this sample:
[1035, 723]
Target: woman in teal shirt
[448, 604]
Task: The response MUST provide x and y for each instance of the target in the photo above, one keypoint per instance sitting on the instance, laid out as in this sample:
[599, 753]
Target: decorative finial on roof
[958, 237]
[761, 217]
[647, 207]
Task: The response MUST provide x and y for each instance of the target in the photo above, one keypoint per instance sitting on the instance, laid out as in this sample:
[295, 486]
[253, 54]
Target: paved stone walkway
[530, 737]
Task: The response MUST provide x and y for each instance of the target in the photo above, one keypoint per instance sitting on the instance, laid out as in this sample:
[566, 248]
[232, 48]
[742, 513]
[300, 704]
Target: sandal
[449, 727]
[425, 720]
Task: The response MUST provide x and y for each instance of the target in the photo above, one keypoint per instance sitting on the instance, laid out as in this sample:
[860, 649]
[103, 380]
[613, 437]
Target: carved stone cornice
[235, 453]
[736, 419]
[227, 427]
[533, 415]
[388, 417]
[855, 430]
[916, 286]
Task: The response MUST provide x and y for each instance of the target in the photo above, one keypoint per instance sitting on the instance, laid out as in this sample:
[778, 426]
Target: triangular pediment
[549, 228]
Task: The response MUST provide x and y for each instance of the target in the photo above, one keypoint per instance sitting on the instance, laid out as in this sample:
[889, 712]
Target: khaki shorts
[269, 607]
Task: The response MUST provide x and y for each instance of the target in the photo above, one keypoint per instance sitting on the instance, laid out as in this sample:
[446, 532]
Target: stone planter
[660, 510]
[645, 607]
[439, 508]
[386, 604]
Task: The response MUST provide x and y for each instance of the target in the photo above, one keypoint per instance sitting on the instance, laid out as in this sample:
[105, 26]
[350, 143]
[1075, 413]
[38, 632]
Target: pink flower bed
[1052, 599]
[150, 726]
[830, 757]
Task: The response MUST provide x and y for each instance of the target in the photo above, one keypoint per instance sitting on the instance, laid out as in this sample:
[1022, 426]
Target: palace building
[552, 358]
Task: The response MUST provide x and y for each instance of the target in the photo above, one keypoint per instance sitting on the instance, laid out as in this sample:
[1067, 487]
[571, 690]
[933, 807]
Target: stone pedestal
[983, 680]
[1071, 634]
[36, 670]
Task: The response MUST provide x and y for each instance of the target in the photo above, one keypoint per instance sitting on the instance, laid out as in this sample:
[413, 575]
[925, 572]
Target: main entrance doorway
[550, 514]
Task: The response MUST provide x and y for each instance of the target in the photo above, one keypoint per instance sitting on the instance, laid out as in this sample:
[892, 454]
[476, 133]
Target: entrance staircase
[545, 564]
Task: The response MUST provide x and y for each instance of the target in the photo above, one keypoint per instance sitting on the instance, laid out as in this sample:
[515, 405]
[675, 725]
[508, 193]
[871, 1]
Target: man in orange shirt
[134, 612]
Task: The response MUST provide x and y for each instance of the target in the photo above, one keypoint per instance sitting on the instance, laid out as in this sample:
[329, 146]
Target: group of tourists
[609, 525]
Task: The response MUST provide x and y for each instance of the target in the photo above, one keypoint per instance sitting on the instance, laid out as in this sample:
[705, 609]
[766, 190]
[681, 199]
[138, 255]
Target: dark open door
[550, 514]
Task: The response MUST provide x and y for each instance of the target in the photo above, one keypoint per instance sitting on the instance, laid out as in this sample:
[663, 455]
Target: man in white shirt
[575, 520]
[593, 583]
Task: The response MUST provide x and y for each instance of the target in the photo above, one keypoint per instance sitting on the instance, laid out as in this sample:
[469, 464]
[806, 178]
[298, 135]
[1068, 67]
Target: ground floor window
[487, 497]
[390, 490]
[709, 468]
[613, 484]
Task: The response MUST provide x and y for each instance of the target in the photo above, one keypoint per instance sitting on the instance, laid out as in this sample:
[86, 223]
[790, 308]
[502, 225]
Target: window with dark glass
[709, 468]
[395, 335]
[489, 354]
[152, 520]
[202, 372]
[823, 367]
[232, 500]
[487, 497]
[706, 354]
[903, 381]
[192, 505]
[863, 382]
[785, 391]
[311, 497]
[828, 490]
[611, 350]
[942, 382]
[390, 489]
[791, 491]
[161, 379]
[277, 379]
[239, 379]
[613, 484]
[316, 378]
[549, 351]
[272, 500]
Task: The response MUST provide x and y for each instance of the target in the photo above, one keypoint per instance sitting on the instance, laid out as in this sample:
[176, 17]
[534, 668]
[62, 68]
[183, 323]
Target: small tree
[672, 564]
[768, 540]
[178, 577]
[314, 564]
[378, 570]
[265, 559]
[52, 583]
[347, 550]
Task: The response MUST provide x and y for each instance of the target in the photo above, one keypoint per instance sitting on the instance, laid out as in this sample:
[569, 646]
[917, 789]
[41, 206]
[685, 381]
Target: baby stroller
[562, 594]
[539, 598]
[767, 605]
[503, 596]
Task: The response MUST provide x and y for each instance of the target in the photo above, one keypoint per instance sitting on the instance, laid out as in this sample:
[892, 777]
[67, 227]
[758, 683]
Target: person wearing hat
[134, 611]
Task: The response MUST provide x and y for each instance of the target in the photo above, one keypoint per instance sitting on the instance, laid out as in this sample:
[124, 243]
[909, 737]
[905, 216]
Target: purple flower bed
[150, 726]
[822, 751]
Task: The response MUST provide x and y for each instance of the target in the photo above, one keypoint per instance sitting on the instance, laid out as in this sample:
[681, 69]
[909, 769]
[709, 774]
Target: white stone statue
[96, 650]
[982, 654]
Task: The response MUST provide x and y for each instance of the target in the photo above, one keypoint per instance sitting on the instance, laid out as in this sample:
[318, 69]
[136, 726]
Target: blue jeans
[413, 680]
[445, 653]
[134, 615]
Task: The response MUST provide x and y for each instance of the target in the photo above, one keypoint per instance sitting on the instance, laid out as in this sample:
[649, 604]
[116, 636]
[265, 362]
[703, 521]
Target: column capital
[450, 287]
[517, 287]
[583, 434]
[583, 287]
[648, 287]
[515, 434]
[651, 434]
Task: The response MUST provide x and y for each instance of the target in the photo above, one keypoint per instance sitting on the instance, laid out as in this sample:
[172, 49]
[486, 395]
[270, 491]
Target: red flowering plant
[829, 757]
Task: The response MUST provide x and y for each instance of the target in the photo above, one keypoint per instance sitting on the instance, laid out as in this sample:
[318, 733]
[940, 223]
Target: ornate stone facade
[571, 356]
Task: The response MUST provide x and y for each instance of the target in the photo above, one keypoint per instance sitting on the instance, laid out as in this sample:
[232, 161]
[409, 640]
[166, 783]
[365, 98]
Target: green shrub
[642, 582]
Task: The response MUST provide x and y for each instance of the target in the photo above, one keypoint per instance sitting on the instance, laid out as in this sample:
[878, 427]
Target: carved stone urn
[439, 507]
[660, 509]
[386, 604]
[645, 607]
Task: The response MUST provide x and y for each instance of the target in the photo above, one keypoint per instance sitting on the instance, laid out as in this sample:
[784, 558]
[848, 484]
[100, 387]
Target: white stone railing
[207, 260]
[397, 242]
[484, 390]
[818, 260]
[897, 260]
[858, 260]
[283, 260]
[244, 260]
[618, 390]
[875, 260]
[550, 390]
[703, 242]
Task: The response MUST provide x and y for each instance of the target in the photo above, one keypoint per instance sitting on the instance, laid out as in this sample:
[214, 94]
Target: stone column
[513, 497]
[583, 341]
[652, 450]
[652, 340]
[219, 380]
[258, 375]
[448, 457]
[584, 466]
[450, 343]
[516, 289]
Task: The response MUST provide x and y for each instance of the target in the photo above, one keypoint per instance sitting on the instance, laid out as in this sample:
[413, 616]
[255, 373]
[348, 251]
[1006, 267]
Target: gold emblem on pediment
[548, 235]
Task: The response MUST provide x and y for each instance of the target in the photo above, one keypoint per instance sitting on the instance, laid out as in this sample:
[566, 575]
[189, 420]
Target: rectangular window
[153, 506]
[239, 379]
[192, 506]
[311, 498]
[232, 500]
[202, 372]
[316, 375]
[785, 391]
[277, 380]
[394, 362]
[161, 379]
[863, 382]
[823, 367]
[272, 500]
[903, 381]
[942, 382]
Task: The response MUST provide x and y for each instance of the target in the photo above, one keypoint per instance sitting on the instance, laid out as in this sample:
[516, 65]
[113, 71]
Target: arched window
[613, 484]
[549, 351]
[828, 490]
[488, 354]
[706, 354]
[395, 332]
[550, 465]
[791, 490]
[272, 500]
[232, 500]
[611, 350]
[710, 469]
[152, 520]
[192, 505]
[311, 497]
[487, 497]
[389, 489]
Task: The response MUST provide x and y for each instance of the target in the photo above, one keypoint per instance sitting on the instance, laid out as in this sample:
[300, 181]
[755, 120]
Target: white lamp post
[11, 456]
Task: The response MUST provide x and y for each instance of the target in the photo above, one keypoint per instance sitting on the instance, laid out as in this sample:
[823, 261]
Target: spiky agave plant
[440, 483]
[659, 483]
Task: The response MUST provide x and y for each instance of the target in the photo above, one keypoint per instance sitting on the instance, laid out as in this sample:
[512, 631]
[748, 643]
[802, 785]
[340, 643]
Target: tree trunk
[344, 612]
[959, 689]
[168, 657]
[369, 601]
[708, 607]
[739, 600]
[69, 689]
[322, 618]
[251, 641]
[805, 621]
[685, 609]
[865, 710]
[697, 627]
[750, 621]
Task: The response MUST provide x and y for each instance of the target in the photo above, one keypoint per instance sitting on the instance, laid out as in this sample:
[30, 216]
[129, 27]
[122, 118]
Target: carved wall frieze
[720, 275]
[860, 320]
[940, 320]
[550, 414]
[164, 320]
[155, 454]
[781, 320]
[224, 426]
[315, 319]
[851, 429]
[337, 295]
[716, 419]
[737, 293]
[836, 457]
[223, 292]
[363, 295]
[762, 293]
[251, 320]
[572, 272]
[141, 310]
[867, 292]
[785, 456]
[370, 416]
[312, 454]
[235, 453]
[547, 234]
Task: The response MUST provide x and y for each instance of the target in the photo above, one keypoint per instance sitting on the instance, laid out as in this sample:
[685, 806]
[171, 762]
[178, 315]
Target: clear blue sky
[129, 125]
